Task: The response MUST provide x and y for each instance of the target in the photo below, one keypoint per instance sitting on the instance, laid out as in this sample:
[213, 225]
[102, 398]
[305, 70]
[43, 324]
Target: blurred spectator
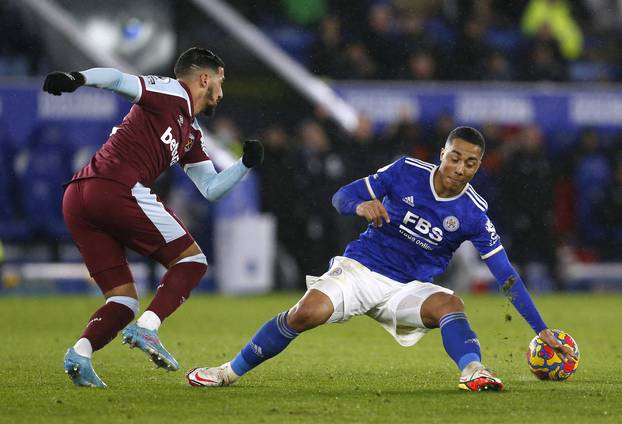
[305, 13]
[542, 59]
[415, 36]
[383, 41]
[421, 66]
[498, 68]
[278, 197]
[527, 198]
[404, 137]
[326, 60]
[21, 50]
[227, 133]
[555, 14]
[320, 172]
[591, 176]
[470, 52]
[357, 63]
[612, 214]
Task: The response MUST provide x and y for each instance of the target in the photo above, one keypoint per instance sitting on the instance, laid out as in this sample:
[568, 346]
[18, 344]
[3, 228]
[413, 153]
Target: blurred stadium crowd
[552, 196]
[489, 40]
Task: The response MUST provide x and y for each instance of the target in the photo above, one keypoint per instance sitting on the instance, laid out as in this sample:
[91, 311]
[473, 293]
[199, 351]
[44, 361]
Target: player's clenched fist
[63, 82]
[253, 153]
[373, 211]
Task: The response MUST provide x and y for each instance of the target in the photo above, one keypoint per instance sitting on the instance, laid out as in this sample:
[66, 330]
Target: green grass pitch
[349, 373]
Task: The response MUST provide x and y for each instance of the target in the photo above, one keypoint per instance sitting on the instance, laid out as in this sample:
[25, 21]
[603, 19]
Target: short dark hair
[468, 134]
[196, 58]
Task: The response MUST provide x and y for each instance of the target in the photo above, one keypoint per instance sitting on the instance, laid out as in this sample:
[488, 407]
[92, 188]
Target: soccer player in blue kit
[419, 214]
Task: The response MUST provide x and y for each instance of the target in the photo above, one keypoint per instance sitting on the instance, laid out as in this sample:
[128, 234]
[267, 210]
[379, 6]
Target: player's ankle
[471, 367]
[149, 320]
[231, 375]
[83, 347]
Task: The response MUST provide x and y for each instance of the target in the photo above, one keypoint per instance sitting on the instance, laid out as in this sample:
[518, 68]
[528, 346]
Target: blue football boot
[80, 370]
[149, 342]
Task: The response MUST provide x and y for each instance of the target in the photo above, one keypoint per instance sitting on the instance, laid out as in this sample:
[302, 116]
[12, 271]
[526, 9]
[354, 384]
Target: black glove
[63, 82]
[253, 153]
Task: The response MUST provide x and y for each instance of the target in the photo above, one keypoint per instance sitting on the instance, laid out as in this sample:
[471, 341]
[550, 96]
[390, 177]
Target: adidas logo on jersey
[409, 200]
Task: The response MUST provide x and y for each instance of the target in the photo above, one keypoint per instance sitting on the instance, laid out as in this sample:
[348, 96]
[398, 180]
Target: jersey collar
[436, 196]
[183, 84]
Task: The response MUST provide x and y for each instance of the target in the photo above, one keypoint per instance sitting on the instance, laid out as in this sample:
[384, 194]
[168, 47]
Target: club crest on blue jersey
[451, 223]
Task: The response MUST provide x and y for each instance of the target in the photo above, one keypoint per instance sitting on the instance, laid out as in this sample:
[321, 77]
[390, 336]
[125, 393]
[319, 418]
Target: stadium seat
[45, 167]
[11, 227]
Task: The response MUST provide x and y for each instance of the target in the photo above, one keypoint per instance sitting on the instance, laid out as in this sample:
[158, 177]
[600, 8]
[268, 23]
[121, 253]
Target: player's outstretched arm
[212, 184]
[112, 79]
[515, 290]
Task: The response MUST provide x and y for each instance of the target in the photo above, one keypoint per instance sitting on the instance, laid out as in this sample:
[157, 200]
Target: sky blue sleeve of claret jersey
[212, 184]
[514, 288]
[112, 79]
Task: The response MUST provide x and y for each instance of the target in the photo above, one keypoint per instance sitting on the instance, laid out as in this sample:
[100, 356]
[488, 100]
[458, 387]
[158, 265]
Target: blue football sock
[269, 341]
[459, 339]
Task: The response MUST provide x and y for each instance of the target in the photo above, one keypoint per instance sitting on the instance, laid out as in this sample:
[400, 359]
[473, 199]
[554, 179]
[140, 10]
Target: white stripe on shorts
[157, 214]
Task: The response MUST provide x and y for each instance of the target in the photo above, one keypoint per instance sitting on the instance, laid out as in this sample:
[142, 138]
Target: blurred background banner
[335, 90]
[554, 109]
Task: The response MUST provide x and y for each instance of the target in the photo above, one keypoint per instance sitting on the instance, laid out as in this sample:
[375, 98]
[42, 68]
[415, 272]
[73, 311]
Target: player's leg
[460, 341]
[183, 275]
[105, 259]
[313, 309]
[141, 222]
[185, 270]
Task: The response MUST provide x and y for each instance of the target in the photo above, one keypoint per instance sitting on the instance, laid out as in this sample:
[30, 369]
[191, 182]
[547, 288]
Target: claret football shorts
[355, 290]
[104, 217]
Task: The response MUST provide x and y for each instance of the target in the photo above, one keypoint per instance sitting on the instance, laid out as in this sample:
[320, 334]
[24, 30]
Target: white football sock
[149, 320]
[231, 375]
[83, 347]
[470, 369]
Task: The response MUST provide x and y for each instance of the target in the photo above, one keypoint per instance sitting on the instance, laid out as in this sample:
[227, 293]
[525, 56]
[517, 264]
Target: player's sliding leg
[174, 289]
[120, 308]
[460, 341]
[315, 308]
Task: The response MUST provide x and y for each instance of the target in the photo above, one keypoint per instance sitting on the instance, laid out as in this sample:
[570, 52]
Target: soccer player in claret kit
[419, 215]
[108, 204]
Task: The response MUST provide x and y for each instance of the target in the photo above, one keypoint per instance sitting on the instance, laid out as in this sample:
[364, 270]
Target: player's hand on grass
[564, 352]
[253, 153]
[63, 82]
[373, 211]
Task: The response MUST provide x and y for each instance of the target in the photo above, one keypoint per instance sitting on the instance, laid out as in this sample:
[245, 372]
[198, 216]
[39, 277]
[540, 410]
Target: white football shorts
[355, 290]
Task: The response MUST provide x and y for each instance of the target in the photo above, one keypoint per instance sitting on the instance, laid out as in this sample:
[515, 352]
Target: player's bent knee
[124, 290]
[310, 312]
[453, 304]
[438, 305]
[305, 318]
[191, 254]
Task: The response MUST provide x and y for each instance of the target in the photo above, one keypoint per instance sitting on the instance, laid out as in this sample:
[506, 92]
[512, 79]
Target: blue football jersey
[425, 230]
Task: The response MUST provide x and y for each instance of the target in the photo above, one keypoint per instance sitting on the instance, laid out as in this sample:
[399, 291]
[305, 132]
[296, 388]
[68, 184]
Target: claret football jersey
[425, 229]
[159, 131]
